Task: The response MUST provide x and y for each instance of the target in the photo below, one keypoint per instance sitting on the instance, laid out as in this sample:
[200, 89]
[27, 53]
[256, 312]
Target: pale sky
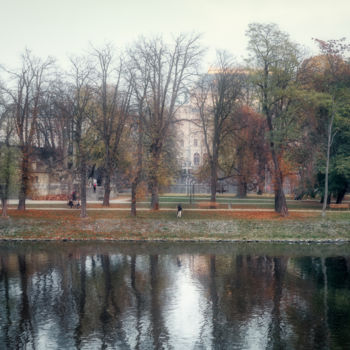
[63, 27]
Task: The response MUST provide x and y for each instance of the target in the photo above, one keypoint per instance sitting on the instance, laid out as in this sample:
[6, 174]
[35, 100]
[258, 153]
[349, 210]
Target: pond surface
[174, 296]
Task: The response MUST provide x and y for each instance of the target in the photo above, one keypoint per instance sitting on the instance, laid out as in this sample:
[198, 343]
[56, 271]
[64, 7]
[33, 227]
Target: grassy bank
[163, 225]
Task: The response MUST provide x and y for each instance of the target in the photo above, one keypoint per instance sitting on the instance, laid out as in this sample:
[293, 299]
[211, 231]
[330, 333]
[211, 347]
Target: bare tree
[112, 99]
[168, 70]
[138, 77]
[8, 156]
[26, 91]
[217, 98]
[80, 105]
[138, 167]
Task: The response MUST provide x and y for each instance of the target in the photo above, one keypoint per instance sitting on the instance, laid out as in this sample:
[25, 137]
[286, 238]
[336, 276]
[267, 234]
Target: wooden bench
[208, 205]
[339, 206]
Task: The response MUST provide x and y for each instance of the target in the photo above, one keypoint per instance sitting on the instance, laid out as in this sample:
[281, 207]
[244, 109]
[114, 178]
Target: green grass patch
[212, 225]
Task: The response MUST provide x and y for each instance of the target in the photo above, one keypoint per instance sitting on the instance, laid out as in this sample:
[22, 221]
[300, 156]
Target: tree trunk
[280, 199]
[340, 196]
[4, 207]
[137, 178]
[242, 188]
[133, 197]
[70, 183]
[107, 186]
[154, 182]
[213, 182]
[83, 213]
[328, 199]
[329, 143]
[213, 179]
[242, 184]
[24, 181]
[5, 187]
[325, 196]
[155, 194]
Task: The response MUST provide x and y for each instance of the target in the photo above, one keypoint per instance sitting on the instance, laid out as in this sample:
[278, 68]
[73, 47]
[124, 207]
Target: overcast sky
[63, 27]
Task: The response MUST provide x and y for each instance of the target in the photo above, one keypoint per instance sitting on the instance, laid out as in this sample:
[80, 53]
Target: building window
[195, 142]
[196, 159]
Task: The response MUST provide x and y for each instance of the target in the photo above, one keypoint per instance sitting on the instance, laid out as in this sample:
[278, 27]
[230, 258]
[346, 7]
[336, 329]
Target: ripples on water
[194, 296]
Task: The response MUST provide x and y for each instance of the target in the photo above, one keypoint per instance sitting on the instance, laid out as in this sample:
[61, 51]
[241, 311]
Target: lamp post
[192, 182]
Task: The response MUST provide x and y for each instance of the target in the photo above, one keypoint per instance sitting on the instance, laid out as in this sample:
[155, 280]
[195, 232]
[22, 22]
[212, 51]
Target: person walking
[179, 211]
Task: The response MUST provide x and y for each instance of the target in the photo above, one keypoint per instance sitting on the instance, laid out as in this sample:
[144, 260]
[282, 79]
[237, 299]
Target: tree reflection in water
[146, 297]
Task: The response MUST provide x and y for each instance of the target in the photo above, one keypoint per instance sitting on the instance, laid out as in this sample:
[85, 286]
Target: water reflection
[128, 296]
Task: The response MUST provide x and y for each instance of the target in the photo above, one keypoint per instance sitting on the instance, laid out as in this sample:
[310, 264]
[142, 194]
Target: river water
[174, 296]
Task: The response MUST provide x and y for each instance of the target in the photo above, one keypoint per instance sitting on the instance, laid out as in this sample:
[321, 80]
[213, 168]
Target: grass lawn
[211, 225]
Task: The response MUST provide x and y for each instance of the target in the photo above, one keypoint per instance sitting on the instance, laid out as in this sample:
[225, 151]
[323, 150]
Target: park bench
[339, 206]
[208, 205]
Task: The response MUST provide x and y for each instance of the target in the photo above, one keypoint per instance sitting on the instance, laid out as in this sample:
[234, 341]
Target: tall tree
[138, 76]
[335, 71]
[112, 98]
[25, 92]
[137, 167]
[275, 60]
[54, 129]
[79, 103]
[217, 98]
[8, 157]
[168, 70]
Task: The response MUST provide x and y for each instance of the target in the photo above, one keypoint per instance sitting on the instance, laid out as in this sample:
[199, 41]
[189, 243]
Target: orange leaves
[269, 215]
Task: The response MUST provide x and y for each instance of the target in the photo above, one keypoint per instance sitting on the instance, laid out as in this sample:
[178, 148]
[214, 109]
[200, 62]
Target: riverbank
[196, 225]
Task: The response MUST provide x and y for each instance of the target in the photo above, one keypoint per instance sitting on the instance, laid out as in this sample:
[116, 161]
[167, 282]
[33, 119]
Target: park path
[170, 209]
[126, 201]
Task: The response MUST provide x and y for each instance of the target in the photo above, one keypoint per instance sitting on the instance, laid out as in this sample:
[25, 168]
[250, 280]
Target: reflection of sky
[176, 302]
[189, 317]
[256, 331]
[185, 315]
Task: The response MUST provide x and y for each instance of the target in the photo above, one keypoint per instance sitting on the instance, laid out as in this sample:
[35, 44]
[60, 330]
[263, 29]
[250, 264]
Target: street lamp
[192, 183]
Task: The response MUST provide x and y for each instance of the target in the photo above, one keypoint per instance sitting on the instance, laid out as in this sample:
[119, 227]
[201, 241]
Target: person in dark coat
[179, 211]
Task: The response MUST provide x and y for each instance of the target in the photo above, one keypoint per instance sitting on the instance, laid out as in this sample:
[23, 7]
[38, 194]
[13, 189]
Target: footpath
[45, 206]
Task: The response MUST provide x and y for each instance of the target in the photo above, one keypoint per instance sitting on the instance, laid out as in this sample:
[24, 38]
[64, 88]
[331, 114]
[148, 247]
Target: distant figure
[74, 202]
[179, 211]
[94, 184]
[73, 199]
